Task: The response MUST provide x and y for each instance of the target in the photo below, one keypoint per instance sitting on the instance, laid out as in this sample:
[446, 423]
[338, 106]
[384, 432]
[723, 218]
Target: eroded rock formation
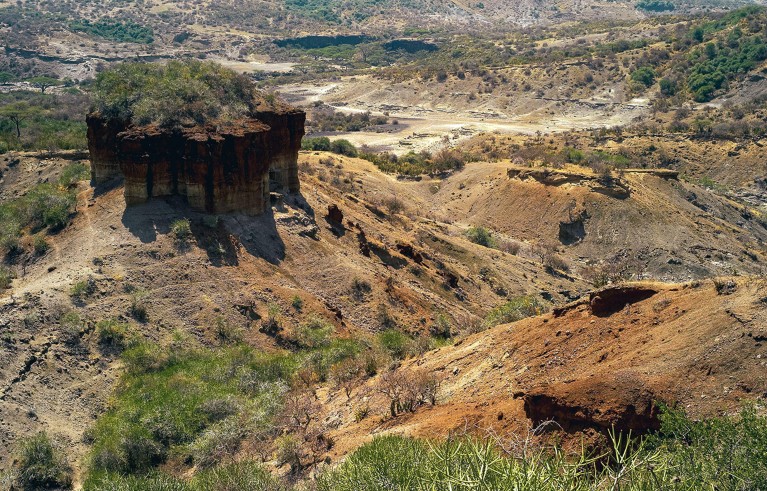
[219, 169]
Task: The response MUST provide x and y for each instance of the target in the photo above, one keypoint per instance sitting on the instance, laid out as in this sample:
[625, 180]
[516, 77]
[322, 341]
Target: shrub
[74, 173]
[80, 290]
[481, 236]
[138, 305]
[515, 309]
[218, 442]
[40, 245]
[41, 465]
[112, 335]
[343, 147]
[226, 332]
[360, 288]
[320, 144]
[297, 303]
[314, 333]
[181, 230]
[174, 94]
[441, 327]
[71, 328]
[644, 75]
[167, 406]
[395, 342]
[6, 278]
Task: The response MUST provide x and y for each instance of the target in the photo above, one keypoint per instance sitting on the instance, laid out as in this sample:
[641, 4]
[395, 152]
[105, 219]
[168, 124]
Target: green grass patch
[167, 401]
[721, 453]
[517, 308]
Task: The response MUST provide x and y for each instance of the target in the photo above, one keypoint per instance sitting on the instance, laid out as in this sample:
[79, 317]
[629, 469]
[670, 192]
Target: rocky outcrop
[224, 168]
[601, 406]
[607, 301]
[607, 184]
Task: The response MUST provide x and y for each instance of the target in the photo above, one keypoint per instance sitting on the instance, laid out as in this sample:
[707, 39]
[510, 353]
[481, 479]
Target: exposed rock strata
[219, 169]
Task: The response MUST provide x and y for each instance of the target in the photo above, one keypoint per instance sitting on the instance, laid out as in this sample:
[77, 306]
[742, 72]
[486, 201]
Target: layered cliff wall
[219, 169]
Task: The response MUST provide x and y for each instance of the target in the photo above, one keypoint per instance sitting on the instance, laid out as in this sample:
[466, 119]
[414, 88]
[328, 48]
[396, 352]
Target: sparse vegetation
[45, 207]
[6, 277]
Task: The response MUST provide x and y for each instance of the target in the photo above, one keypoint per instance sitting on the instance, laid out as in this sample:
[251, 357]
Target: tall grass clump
[41, 464]
[721, 453]
[517, 308]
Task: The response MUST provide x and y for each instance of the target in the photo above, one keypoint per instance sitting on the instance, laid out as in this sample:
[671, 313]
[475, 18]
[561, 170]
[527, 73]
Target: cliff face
[102, 145]
[229, 168]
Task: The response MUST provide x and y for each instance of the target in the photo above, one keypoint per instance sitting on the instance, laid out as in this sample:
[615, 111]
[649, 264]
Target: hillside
[589, 366]
[395, 257]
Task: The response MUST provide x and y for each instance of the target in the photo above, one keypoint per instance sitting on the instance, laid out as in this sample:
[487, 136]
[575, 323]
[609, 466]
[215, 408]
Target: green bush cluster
[517, 308]
[655, 5]
[419, 163]
[482, 236]
[35, 121]
[179, 93]
[123, 31]
[326, 118]
[170, 403]
[716, 63]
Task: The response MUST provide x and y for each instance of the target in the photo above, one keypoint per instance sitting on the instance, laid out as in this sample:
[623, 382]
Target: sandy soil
[428, 125]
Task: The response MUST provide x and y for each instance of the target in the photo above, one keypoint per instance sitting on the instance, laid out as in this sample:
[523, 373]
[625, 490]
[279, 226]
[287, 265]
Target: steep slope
[366, 251]
[599, 362]
[234, 271]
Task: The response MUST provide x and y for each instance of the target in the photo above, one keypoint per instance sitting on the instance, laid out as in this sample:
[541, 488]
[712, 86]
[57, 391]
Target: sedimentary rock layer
[219, 169]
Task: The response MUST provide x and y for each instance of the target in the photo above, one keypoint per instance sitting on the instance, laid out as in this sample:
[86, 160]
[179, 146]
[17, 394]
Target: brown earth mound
[686, 345]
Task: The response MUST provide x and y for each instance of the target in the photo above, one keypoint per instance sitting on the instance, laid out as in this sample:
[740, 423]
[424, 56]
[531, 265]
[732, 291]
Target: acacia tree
[43, 83]
[16, 112]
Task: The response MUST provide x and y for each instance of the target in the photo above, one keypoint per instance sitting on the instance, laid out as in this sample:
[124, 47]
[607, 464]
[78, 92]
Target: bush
[80, 290]
[343, 147]
[297, 303]
[40, 245]
[6, 278]
[74, 173]
[515, 309]
[41, 465]
[122, 31]
[175, 94]
[481, 236]
[395, 342]
[181, 230]
[315, 333]
[360, 289]
[138, 305]
[320, 144]
[644, 75]
[112, 335]
[167, 401]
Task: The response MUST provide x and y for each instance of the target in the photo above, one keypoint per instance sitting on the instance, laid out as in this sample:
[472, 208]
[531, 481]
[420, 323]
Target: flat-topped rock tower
[219, 166]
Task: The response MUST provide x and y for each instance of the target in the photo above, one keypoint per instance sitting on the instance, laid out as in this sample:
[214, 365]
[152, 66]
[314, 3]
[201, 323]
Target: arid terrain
[518, 222]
